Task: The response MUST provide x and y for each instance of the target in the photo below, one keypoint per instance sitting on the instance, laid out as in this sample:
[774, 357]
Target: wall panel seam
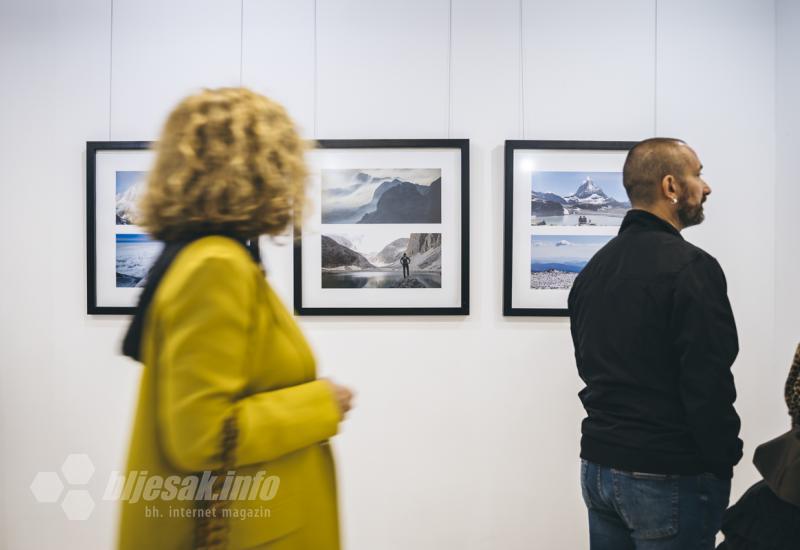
[655, 70]
[450, 71]
[316, 73]
[241, 43]
[110, 65]
[521, 72]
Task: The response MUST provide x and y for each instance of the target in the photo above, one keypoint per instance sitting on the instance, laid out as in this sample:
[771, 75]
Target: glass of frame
[119, 254]
[563, 201]
[387, 231]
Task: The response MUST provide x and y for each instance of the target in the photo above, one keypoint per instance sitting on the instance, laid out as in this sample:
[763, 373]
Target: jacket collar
[646, 220]
[131, 345]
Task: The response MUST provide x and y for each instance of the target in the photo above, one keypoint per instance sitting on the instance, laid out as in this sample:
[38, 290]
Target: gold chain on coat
[211, 527]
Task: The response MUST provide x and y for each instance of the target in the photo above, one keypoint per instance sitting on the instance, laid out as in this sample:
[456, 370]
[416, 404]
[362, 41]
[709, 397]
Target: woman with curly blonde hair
[229, 446]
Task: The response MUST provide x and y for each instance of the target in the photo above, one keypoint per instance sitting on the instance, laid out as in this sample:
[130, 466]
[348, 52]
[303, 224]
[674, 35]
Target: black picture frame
[92, 150]
[462, 145]
[93, 307]
[511, 146]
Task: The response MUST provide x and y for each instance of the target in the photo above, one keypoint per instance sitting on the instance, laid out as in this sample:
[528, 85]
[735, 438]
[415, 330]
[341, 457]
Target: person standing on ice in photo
[405, 260]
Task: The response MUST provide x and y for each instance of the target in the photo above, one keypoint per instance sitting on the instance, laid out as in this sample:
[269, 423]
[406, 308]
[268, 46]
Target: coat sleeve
[706, 345]
[202, 376]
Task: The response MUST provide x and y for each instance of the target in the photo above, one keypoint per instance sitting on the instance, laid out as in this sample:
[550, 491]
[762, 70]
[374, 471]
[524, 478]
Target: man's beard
[689, 214]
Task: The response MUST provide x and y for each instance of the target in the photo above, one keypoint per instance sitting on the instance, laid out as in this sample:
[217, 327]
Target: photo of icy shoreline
[383, 259]
[578, 198]
[373, 196]
[556, 260]
[136, 253]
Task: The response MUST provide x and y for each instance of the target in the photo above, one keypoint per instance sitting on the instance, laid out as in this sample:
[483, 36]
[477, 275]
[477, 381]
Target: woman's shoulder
[211, 261]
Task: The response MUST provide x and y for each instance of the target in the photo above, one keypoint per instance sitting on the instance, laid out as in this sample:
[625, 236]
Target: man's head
[663, 175]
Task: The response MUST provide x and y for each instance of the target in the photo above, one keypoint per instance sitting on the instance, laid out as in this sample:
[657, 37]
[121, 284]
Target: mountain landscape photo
[129, 188]
[376, 260]
[401, 195]
[556, 260]
[578, 198]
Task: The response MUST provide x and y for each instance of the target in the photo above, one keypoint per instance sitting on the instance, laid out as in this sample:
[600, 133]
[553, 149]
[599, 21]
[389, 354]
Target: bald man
[655, 339]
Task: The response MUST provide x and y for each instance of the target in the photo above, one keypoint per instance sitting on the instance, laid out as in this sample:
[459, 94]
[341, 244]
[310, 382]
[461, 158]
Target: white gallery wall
[466, 431]
[787, 178]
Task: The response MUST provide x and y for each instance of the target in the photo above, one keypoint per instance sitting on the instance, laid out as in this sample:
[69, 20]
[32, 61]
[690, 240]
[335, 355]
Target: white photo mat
[107, 164]
[525, 163]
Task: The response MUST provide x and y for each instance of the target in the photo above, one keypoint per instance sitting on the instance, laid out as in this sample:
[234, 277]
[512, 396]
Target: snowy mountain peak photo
[587, 189]
[578, 198]
[129, 188]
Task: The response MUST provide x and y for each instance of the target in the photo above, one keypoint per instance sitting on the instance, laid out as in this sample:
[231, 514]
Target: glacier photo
[375, 260]
[135, 255]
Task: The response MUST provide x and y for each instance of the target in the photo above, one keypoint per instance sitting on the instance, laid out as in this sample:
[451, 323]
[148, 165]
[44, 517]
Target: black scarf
[132, 344]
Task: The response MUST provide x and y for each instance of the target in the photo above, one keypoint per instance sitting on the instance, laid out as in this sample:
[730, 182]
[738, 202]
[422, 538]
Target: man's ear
[669, 187]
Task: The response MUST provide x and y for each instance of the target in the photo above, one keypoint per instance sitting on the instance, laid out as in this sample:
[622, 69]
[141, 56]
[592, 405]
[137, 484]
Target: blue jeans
[640, 511]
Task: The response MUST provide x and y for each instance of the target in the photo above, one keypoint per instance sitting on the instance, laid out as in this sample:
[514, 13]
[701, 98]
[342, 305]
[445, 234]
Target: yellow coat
[218, 341]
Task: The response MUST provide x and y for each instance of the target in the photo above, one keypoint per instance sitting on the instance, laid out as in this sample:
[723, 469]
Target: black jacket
[654, 340]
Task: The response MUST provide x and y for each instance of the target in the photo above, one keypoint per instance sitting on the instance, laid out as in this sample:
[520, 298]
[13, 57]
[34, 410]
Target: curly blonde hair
[229, 160]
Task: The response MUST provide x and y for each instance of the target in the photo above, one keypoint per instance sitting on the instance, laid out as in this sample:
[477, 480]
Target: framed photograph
[564, 200]
[119, 254]
[388, 229]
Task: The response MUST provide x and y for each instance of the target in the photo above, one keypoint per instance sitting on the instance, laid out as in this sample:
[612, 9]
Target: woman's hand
[343, 396]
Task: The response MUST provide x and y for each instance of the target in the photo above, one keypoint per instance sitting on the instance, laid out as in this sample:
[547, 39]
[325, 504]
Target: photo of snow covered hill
[375, 260]
[401, 195]
[130, 186]
[556, 260]
[578, 198]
